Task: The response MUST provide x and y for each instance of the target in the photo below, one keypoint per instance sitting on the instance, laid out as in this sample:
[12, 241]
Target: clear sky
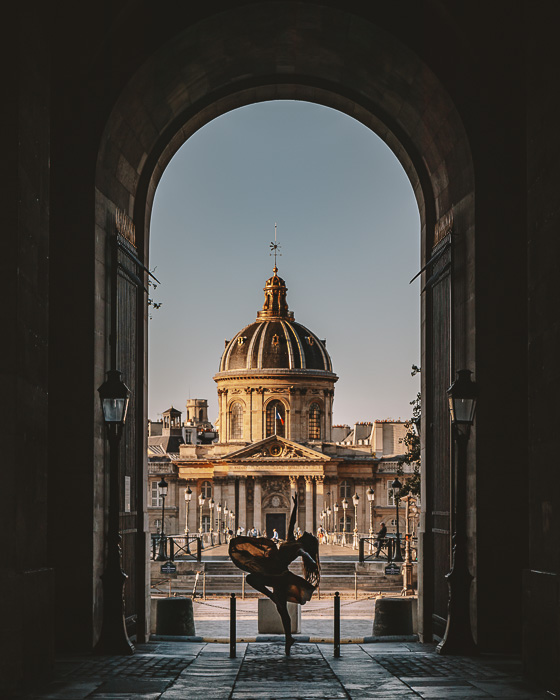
[349, 231]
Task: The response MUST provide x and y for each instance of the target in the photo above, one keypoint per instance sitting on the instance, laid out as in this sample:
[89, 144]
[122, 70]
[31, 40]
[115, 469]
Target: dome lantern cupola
[275, 303]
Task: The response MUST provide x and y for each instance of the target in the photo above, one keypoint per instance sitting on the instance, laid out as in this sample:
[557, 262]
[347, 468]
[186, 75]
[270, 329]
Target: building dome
[275, 341]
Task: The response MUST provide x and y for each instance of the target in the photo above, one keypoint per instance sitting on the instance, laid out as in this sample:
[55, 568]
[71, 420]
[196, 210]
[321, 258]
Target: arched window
[275, 419]
[201, 415]
[236, 421]
[314, 422]
[206, 489]
[345, 489]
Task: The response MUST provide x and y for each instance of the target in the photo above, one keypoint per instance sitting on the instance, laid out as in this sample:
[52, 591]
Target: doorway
[276, 521]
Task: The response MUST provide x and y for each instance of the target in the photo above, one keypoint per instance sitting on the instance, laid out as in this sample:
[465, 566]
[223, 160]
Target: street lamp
[344, 507]
[355, 501]
[397, 486]
[219, 511]
[410, 510]
[114, 396]
[371, 497]
[162, 488]
[201, 501]
[458, 637]
[335, 508]
[188, 496]
[329, 523]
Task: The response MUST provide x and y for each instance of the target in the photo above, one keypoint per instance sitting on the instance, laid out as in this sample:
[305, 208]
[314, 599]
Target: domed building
[276, 389]
[275, 377]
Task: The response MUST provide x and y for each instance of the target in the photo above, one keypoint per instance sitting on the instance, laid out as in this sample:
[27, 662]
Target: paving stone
[261, 671]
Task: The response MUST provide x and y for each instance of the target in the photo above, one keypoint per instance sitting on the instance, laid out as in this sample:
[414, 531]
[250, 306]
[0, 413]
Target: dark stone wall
[26, 577]
[541, 585]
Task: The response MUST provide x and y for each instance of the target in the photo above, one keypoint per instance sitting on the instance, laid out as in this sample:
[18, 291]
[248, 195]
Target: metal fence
[176, 547]
[371, 548]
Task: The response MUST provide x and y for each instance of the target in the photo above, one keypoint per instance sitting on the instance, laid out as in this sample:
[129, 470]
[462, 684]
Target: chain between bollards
[336, 625]
[232, 627]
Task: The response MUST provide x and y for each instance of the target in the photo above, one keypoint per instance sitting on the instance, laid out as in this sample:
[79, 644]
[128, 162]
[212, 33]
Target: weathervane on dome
[274, 248]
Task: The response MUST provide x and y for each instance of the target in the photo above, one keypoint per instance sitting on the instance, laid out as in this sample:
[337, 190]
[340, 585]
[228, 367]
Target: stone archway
[254, 54]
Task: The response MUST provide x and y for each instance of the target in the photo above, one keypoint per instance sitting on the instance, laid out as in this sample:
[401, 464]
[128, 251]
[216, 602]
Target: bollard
[393, 616]
[243, 587]
[232, 630]
[198, 549]
[361, 551]
[174, 616]
[336, 625]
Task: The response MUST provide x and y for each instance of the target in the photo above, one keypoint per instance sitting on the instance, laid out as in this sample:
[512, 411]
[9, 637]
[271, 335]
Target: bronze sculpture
[267, 566]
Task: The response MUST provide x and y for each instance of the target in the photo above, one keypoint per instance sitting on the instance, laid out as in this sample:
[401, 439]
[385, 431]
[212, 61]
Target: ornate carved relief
[276, 500]
[274, 485]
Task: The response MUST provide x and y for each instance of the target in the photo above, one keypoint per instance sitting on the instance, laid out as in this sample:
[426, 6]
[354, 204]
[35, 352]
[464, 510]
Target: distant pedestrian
[381, 535]
[275, 536]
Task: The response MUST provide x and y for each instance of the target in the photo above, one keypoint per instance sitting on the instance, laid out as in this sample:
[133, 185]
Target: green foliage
[412, 444]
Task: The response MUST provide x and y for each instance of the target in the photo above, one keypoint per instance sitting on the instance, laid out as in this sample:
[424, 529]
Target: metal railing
[177, 547]
[344, 539]
[385, 548]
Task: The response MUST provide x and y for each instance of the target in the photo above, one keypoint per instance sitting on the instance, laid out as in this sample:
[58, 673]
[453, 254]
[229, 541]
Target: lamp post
[201, 501]
[114, 395]
[329, 523]
[355, 501]
[458, 637]
[162, 554]
[371, 498]
[408, 585]
[335, 508]
[397, 486]
[344, 507]
[226, 521]
[211, 504]
[219, 511]
[188, 496]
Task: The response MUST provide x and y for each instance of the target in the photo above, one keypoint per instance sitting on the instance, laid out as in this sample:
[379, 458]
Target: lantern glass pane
[462, 410]
[114, 410]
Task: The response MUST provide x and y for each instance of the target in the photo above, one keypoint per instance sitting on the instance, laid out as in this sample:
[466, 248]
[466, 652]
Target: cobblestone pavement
[382, 671]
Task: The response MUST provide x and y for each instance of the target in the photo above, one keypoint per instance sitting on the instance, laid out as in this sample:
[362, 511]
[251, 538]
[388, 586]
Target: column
[217, 495]
[319, 501]
[242, 520]
[364, 517]
[293, 489]
[309, 504]
[257, 504]
[231, 500]
[193, 510]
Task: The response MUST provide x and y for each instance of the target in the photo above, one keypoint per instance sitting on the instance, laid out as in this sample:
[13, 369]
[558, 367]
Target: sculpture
[267, 566]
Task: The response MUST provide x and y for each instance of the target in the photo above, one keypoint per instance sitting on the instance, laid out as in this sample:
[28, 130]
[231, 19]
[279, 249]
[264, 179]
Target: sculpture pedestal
[270, 621]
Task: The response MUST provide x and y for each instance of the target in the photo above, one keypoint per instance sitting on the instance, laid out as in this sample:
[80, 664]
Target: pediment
[276, 449]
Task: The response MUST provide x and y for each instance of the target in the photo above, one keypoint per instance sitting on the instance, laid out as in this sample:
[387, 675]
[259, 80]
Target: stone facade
[275, 391]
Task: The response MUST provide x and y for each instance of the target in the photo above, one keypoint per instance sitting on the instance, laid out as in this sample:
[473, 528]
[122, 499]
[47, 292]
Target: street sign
[392, 570]
[168, 568]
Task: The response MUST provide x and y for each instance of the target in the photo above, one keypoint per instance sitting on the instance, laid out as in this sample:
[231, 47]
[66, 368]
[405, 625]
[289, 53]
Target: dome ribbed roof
[275, 340]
